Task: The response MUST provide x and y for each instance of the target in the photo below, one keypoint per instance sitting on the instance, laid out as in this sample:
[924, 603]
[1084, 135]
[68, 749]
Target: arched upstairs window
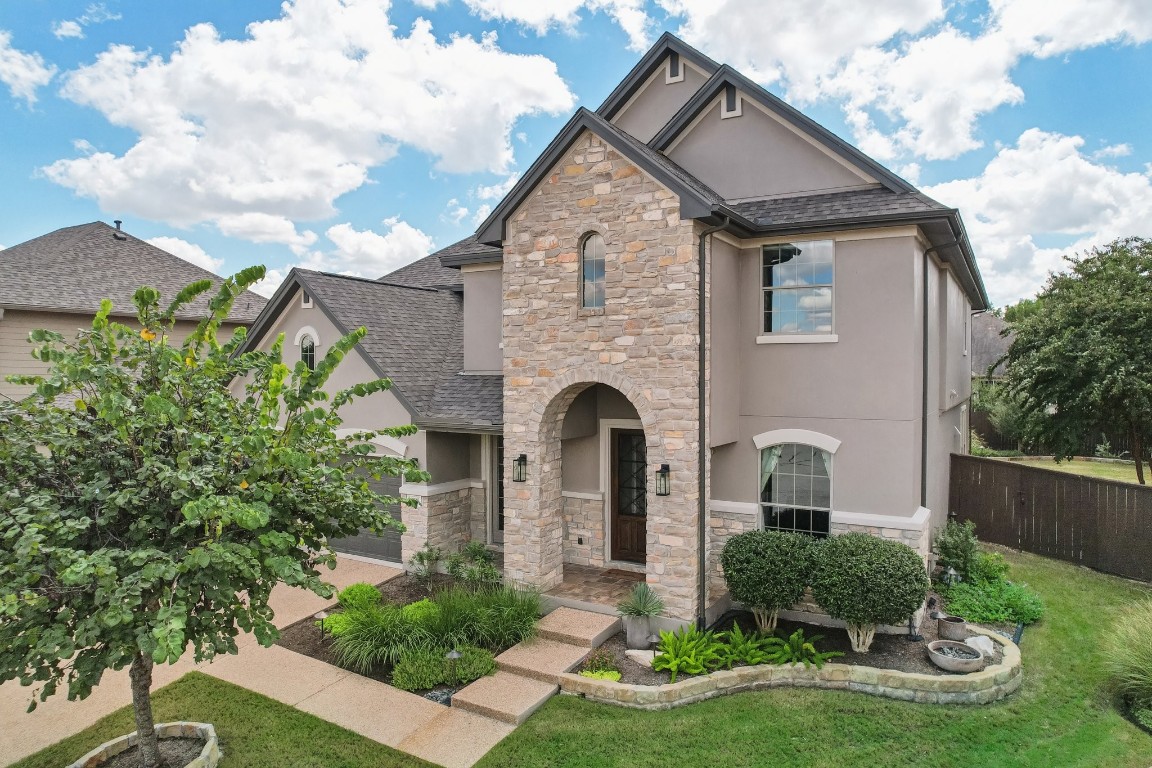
[592, 271]
[308, 351]
[796, 488]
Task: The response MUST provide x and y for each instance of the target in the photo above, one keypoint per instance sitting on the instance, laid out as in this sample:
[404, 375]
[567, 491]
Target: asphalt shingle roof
[74, 268]
[416, 337]
[988, 346]
[427, 273]
[835, 206]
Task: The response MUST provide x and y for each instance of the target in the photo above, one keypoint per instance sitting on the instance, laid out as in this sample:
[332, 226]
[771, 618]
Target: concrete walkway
[481, 714]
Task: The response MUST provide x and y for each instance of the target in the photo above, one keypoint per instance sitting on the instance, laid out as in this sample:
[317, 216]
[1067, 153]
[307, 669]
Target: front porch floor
[594, 586]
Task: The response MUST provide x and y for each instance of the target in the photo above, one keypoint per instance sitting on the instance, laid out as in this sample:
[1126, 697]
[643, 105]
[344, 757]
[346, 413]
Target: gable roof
[696, 198]
[468, 251]
[835, 208]
[415, 338]
[649, 62]
[74, 268]
[427, 272]
[725, 77]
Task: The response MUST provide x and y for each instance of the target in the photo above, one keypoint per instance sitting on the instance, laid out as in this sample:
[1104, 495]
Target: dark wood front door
[629, 495]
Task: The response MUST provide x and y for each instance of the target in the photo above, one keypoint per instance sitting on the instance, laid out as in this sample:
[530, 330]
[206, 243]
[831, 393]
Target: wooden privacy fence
[1100, 524]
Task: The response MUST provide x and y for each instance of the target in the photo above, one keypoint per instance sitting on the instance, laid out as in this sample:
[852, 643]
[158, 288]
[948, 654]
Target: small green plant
[335, 625]
[425, 562]
[1104, 449]
[739, 648]
[473, 664]
[603, 674]
[767, 571]
[796, 650]
[641, 601]
[687, 651]
[359, 596]
[377, 636]
[423, 612]
[988, 567]
[473, 566]
[1128, 657]
[419, 669]
[995, 602]
[865, 580]
[1143, 716]
[600, 660]
[957, 547]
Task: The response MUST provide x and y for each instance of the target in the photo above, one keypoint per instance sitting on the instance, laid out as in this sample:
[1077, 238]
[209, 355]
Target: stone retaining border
[992, 683]
[209, 757]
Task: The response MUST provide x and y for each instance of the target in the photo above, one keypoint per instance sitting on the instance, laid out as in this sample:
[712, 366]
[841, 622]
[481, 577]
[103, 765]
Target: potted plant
[637, 611]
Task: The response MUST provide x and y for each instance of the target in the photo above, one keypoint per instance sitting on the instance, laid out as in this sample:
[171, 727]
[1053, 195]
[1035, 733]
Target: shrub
[378, 635]
[797, 650]
[425, 562]
[641, 601]
[359, 596]
[767, 571]
[688, 651]
[495, 618]
[600, 660]
[996, 602]
[419, 669]
[604, 674]
[865, 580]
[473, 566]
[473, 664]
[739, 648]
[1128, 656]
[988, 566]
[423, 612]
[957, 547]
[335, 625]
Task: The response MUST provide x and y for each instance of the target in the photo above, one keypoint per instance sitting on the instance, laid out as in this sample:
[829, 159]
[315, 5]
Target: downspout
[702, 450]
[924, 372]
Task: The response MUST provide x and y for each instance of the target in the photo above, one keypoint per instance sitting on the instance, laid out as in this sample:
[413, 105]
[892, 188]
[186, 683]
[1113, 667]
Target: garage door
[368, 544]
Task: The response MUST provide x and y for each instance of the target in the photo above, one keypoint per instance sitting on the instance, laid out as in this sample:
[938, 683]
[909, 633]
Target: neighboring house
[57, 281]
[587, 398]
[990, 345]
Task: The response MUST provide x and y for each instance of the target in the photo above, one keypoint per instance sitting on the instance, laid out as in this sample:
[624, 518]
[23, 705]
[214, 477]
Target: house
[990, 342]
[697, 313]
[57, 281]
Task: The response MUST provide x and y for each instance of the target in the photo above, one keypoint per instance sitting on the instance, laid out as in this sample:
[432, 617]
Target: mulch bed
[176, 752]
[893, 652]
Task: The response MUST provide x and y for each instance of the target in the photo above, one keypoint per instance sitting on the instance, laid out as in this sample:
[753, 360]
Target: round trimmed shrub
[358, 596]
[767, 571]
[865, 580]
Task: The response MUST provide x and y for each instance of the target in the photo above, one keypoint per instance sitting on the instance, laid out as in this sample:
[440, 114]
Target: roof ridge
[367, 280]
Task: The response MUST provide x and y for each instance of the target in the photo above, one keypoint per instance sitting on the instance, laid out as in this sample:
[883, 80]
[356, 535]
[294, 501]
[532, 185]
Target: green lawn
[1060, 717]
[255, 731]
[1105, 470]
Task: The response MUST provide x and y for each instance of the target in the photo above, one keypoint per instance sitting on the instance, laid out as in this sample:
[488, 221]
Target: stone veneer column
[643, 343]
[441, 519]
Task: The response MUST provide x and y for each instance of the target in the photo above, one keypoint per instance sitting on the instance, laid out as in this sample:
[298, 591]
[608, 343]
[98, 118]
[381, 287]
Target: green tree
[1080, 361]
[148, 511]
[1014, 313]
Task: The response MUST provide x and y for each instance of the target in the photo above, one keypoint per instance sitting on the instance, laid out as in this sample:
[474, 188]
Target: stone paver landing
[568, 625]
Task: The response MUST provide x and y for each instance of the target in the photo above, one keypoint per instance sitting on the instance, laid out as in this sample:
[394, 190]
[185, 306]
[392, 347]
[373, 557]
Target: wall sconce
[520, 468]
[663, 480]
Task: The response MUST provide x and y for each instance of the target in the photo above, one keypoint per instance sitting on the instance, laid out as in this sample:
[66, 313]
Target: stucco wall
[755, 155]
[658, 101]
[580, 456]
[482, 319]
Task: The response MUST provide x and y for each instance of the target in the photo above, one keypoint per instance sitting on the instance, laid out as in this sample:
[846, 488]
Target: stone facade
[643, 343]
[442, 520]
[584, 536]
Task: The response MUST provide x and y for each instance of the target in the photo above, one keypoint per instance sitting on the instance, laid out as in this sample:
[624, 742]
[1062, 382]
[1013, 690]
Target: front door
[629, 517]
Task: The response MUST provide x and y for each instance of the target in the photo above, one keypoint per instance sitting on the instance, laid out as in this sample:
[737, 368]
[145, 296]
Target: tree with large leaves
[1081, 358]
[154, 493]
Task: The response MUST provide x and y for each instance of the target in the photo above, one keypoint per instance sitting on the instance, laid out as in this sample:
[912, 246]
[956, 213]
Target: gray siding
[482, 320]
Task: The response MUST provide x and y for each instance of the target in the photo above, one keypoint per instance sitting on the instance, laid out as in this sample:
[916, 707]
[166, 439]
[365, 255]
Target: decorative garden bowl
[952, 628]
[955, 657]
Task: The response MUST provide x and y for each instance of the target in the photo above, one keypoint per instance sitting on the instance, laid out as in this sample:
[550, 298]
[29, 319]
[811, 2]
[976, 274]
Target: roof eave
[648, 64]
[460, 425]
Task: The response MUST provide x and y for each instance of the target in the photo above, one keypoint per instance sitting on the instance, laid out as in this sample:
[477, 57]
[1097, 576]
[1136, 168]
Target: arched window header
[804, 436]
[306, 331]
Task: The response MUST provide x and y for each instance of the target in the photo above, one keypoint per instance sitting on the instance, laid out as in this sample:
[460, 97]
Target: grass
[1104, 470]
[1061, 716]
[255, 731]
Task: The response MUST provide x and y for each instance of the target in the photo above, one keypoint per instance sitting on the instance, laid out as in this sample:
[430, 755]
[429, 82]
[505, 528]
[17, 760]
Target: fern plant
[797, 650]
[739, 648]
[687, 651]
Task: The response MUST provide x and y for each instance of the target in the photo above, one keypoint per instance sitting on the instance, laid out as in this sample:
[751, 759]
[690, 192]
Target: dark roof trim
[692, 203]
[279, 302]
[649, 63]
[455, 262]
[451, 425]
[725, 77]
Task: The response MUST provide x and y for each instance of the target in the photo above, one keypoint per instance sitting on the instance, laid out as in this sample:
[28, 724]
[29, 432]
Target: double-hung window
[796, 488]
[797, 283]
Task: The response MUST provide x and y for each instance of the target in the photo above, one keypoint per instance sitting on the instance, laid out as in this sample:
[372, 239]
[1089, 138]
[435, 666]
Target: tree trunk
[1137, 453]
[141, 676]
[861, 636]
[765, 619]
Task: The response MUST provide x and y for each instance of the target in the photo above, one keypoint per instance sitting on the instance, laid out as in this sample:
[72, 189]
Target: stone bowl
[973, 660]
[209, 757]
[952, 628]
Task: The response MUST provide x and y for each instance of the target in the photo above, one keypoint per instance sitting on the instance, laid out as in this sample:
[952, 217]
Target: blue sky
[356, 136]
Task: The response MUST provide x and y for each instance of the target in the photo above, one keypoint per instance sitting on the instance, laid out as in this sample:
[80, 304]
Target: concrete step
[504, 696]
[568, 625]
[541, 659]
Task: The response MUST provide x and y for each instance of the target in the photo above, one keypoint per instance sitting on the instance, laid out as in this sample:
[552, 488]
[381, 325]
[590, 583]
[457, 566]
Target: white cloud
[480, 214]
[22, 72]
[1113, 150]
[1044, 187]
[454, 213]
[63, 29]
[282, 121]
[543, 15]
[368, 254]
[271, 281]
[496, 191]
[188, 251]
